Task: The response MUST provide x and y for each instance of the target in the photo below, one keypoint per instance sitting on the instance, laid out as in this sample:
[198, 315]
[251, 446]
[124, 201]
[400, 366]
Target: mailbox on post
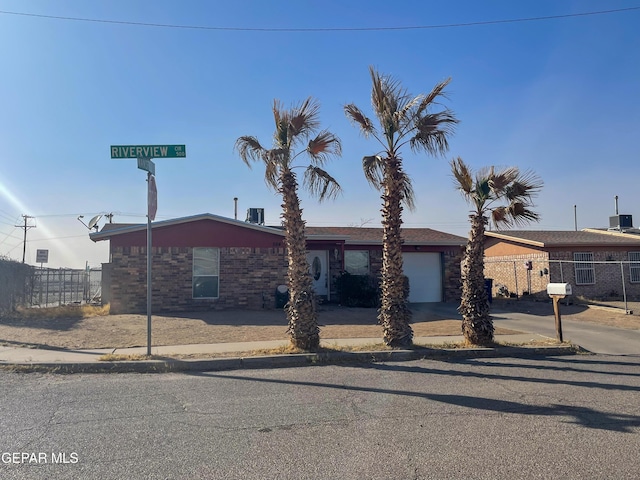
[558, 291]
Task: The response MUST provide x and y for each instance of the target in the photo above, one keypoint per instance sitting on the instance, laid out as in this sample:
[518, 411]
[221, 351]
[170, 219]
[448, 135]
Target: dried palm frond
[324, 145]
[356, 117]
[320, 184]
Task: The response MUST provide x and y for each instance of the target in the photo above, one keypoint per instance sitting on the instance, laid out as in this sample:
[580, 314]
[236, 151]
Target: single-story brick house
[208, 261]
[597, 263]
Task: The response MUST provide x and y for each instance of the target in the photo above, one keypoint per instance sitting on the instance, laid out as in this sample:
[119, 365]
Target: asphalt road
[590, 336]
[559, 417]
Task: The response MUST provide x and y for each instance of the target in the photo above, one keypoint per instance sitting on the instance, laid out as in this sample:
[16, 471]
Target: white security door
[424, 270]
[319, 268]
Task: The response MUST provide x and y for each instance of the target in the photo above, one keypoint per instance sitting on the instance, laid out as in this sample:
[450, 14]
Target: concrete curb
[289, 360]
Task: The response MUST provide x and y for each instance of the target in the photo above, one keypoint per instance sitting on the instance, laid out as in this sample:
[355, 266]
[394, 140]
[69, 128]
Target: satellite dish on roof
[94, 222]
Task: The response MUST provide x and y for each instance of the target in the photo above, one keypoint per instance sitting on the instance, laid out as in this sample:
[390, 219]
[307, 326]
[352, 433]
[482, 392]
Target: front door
[319, 268]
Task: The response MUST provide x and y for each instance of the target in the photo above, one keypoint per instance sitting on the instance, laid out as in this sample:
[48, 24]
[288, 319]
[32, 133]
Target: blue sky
[558, 96]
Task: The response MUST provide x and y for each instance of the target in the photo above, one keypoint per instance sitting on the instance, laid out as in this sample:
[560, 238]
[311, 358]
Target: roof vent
[255, 215]
[620, 222]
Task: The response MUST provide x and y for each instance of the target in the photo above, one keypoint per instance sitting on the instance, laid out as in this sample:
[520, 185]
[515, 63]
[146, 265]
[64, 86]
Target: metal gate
[65, 286]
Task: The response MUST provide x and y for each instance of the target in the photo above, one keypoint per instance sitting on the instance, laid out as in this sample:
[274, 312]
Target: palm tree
[294, 127]
[506, 197]
[403, 120]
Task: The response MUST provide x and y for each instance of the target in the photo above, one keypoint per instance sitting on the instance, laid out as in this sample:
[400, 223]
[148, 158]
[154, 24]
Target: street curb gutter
[289, 360]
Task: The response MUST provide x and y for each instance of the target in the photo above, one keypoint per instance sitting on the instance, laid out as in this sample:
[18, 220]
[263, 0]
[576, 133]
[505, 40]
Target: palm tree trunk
[394, 314]
[477, 325]
[301, 311]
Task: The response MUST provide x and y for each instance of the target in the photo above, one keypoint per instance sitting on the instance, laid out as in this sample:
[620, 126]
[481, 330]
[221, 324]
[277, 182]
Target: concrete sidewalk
[242, 355]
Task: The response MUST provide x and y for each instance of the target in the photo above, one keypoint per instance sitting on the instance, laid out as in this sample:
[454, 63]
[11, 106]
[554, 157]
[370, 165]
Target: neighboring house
[208, 261]
[598, 264]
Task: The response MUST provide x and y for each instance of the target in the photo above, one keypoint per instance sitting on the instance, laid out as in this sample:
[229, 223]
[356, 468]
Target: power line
[321, 29]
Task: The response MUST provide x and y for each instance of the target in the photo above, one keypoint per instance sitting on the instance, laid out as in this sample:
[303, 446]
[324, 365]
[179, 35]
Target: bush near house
[15, 284]
[362, 290]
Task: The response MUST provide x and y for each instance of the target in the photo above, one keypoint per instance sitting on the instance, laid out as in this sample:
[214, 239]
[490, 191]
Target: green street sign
[147, 165]
[148, 151]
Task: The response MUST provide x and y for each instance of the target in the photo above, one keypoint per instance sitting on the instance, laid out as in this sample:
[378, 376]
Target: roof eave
[96, 237]
[515, 239]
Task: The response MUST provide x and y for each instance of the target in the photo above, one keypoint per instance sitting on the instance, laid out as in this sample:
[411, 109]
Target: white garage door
[425, 276]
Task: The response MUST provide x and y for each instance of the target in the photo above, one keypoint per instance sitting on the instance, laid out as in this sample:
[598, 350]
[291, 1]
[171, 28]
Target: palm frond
[304, 119]
[249, 149]
[387, 98]
[500, 217]
[526, 185]
[499, 181]
[521, 214]
[272, 174]
[432, 132]
[462, 175]
[323, 146]
[279, 156]
[373, 167]
[432, 96]
[406, 113]
[320, 183]
[355, 115]
[408, 197]
[281, 119]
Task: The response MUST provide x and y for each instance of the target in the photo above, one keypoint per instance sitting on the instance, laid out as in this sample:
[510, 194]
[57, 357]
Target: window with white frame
[206, 272]
[634, 266]
[585, 273]
[356, 262]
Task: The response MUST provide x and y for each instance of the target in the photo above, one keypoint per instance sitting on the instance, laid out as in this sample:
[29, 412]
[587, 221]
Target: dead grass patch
[64, 311]
[134, 357]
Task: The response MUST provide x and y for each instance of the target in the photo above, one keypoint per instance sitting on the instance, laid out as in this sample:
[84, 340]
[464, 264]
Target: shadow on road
[584, 416]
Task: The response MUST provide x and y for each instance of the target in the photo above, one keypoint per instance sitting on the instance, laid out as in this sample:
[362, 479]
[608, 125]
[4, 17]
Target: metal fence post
[624, 288]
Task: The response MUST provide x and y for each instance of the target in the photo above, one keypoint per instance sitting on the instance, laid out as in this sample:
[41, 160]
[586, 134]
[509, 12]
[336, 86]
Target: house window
[356, 262]
[634, 266]
[585, 274]
[206, 268]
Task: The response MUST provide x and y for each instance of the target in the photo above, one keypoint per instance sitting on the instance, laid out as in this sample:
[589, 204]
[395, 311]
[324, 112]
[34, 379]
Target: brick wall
[452, 287]
[608, 275]
[509, 270]
[248, 279]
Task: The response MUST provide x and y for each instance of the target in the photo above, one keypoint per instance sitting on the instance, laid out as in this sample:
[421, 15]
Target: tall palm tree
[503, 198]
[296, 128]
[403, 120]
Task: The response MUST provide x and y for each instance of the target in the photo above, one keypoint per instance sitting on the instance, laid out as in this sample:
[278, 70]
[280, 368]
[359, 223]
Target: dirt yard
[118, 331]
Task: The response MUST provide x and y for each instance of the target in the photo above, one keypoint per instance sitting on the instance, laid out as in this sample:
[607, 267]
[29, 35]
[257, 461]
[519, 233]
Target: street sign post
[144, 154]
[42, 256]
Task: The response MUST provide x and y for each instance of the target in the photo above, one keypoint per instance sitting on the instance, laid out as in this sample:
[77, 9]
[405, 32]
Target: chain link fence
[53, 287]
[614, 280]
[15, 280]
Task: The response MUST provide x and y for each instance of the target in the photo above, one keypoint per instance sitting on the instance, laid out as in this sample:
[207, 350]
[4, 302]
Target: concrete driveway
[590, 336]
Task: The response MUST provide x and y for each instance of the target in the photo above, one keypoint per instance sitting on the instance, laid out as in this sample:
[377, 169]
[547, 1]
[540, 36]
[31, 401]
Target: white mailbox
[559, 288]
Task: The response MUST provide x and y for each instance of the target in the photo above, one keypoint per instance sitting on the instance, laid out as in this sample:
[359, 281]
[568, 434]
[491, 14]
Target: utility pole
[25, 227]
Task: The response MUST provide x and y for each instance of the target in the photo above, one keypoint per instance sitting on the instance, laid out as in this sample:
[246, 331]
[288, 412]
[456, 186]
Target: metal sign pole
[148, 272]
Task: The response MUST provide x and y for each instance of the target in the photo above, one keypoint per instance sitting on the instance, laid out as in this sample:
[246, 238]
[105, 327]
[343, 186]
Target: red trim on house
[200, 233]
